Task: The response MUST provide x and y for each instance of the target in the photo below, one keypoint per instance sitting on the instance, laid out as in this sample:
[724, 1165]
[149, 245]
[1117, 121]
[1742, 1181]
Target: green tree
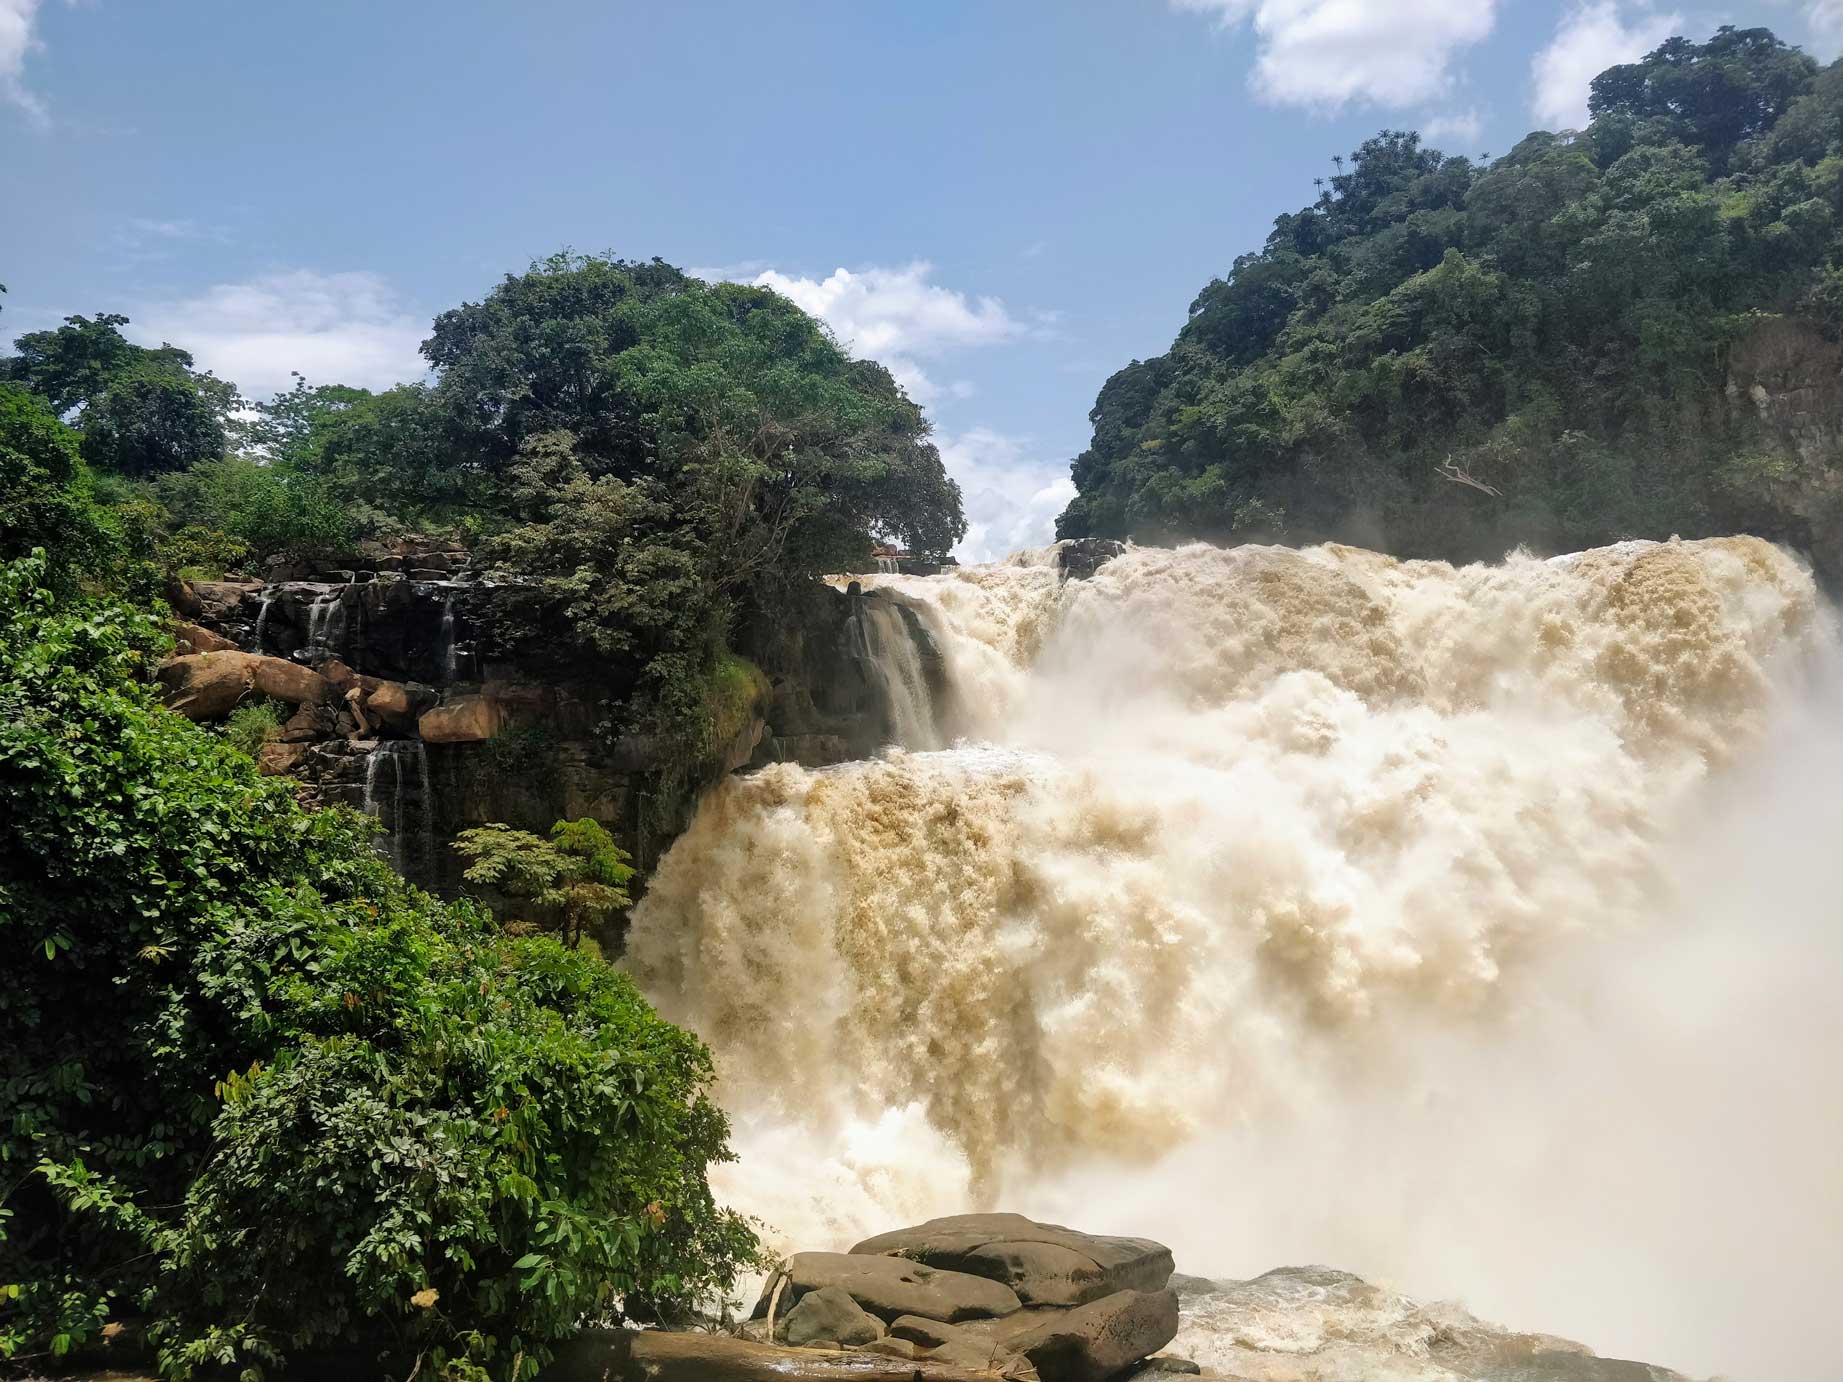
[665, 457]
[45, 498]
[259, 1089]
[1535, 352]
[579, 875]
[142, 411]
[267, 509]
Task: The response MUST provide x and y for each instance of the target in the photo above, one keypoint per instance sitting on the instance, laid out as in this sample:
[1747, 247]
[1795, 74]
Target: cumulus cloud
[338, 328]
[1329, 53]
[1012, 497]
[1454, 127]
[17, 18]
[1592, 36]
[900, 318]
[1826, 20]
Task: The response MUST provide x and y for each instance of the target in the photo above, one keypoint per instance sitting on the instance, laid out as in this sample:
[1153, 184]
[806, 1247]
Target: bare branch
[1450, 471]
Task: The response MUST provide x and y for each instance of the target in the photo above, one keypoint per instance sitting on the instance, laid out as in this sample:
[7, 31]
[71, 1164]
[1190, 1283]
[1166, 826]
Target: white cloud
[1328, 53]
[1826, 20]
[341, 328]
[1011, 497]
[898, 317]
[16, 41]
[1592, 36]
[1454, 127]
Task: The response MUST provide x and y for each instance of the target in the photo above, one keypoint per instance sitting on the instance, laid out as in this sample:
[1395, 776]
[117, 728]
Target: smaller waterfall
[451, 653]
[425, 834]
[895, 664]
[888, 566]
[262, 617]
[328, 625]
[386, 803]
[386, 752]
[317, 617]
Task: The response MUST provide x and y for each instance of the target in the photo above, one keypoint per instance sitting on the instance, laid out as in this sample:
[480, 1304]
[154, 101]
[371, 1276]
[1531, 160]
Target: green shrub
[268, 509]
[265, 1092]
[45, 491]
[251, 726]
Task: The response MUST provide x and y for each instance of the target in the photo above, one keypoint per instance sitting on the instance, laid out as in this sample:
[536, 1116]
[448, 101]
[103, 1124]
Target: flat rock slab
[889, 1287]
[1046, 1264]
[617, 1355]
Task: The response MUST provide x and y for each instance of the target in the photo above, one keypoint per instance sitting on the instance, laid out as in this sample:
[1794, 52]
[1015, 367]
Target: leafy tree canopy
[1449, 358]
[264, 1092]
[142, 411]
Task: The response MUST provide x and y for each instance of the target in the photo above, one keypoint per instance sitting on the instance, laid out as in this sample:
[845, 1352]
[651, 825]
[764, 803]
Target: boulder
[278, 759]
[889, 1287]
[926, 1333]
[212, 602]
[1166, 1365]
[1045, 1264]
[196, 638]
[891, 1347]
[463, 720]
[310, 723]
[396, 704]
[1081, 558]
[829, 1314]
[208, 686]
[1093, 1342]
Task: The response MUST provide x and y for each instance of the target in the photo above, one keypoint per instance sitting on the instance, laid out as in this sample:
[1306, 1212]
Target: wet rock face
[1298, 1322]
[496, 713]
[1081, 558]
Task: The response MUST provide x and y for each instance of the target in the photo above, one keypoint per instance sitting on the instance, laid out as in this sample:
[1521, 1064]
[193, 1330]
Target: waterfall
[317, 616]
[395, 820]
[1457, 925]
[894, 663]
[262, 617]
[451, 652]
[888, 566]
[426, 832]
[387, 751]
[328, 626]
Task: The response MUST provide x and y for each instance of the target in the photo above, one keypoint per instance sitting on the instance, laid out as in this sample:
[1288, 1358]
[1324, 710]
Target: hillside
[1629, 330]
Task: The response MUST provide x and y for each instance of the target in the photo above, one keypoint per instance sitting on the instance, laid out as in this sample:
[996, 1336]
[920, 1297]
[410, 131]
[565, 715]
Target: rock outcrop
[890, 1287]
[954, 1291]
[1096, 1341]
[1045, 1264]
[1306, 1322]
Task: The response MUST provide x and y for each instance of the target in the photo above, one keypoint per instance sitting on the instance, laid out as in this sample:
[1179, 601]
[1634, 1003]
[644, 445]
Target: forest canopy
[656, 457]
[1446, 357]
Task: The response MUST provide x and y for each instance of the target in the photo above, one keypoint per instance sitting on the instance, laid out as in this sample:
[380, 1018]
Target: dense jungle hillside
[1626, 330]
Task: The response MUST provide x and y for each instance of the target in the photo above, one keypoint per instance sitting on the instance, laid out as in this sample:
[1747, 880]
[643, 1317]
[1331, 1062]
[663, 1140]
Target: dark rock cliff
[407, 698]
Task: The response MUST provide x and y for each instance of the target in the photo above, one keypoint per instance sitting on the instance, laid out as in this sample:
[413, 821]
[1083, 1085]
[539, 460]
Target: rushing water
[1474, 929]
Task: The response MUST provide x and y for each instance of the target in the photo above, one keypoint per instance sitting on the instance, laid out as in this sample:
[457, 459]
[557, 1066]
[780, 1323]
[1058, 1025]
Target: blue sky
[1005, 201]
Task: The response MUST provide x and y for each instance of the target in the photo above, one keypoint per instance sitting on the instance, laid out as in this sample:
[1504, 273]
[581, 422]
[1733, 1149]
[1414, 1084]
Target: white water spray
[1460, 927]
